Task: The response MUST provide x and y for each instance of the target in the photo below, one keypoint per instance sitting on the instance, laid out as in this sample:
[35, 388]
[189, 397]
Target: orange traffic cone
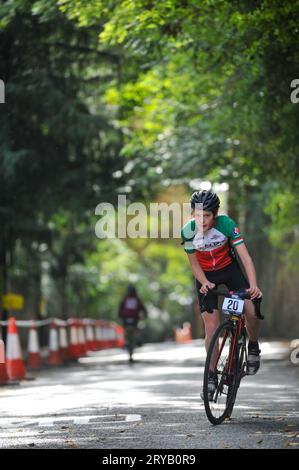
[81, 338]
[120, 336]
[3, 371]
[2, 352]
[187, 332]
[99, 339]
[74, 348]
[64, 353]
[90, 342]
[111, 335]
[93, 334]
[184, 335]
[14, 364]
[105, 334]
[34, 358]
[54, 358]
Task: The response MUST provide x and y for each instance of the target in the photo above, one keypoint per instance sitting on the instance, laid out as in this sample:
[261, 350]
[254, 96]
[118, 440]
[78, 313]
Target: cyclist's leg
[211, 320]
[253, 329]
[237, 281]
[253, 324]
[211, 323]
[130, 334]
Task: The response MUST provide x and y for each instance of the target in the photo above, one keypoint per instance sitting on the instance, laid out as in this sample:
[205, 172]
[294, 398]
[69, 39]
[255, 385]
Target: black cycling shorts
[231, 276]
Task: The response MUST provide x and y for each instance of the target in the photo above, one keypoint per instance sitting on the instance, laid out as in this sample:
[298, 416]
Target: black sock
[253, 345]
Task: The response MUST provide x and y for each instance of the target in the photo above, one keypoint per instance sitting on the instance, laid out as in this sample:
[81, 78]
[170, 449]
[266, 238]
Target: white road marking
[6, 423]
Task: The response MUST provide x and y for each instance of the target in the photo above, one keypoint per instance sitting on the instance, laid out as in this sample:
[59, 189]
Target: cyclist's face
[204, 219]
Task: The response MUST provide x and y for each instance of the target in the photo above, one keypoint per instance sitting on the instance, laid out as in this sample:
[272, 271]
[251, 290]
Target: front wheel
[219, 397]
[240, 371]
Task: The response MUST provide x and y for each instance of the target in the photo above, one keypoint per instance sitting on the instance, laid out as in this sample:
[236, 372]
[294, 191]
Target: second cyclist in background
[131, 310]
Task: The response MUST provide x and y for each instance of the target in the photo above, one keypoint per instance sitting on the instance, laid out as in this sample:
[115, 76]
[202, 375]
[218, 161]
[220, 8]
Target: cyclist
[211, 242]
[129, 311]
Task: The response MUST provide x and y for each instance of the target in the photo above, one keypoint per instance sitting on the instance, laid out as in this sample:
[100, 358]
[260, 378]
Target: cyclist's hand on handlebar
[206, 287]
[255, 292]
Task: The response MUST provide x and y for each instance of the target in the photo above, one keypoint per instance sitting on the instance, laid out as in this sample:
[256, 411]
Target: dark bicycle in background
[134, 336]
[131, 332]
[227, 355]
[131, 311]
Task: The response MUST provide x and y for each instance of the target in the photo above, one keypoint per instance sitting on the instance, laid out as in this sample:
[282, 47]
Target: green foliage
[106, 97]
[283, 208]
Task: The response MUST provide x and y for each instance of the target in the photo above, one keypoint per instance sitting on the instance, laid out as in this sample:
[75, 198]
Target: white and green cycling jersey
[212, 248]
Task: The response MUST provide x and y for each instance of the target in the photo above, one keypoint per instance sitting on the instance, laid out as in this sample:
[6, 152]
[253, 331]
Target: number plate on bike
[233, 306]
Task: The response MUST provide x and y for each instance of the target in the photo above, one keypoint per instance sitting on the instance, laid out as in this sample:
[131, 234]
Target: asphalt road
[104, 403]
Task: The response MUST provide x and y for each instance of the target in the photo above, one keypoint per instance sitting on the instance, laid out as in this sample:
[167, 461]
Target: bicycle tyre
[240, 365]
[225, 327]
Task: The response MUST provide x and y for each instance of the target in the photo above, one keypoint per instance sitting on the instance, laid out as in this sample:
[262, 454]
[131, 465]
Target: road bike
[133, 336]
[227, 355]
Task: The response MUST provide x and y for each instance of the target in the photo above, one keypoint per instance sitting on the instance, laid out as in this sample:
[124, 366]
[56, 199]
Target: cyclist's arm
[249, 269]
[196, 268]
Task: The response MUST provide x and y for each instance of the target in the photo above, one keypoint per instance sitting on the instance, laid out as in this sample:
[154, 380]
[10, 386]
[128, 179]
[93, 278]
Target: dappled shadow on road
[159, 428]
[86, 405]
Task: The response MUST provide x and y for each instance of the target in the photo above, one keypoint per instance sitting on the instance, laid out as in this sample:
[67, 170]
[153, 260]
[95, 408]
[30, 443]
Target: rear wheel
[130, 332]
[218, 405]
